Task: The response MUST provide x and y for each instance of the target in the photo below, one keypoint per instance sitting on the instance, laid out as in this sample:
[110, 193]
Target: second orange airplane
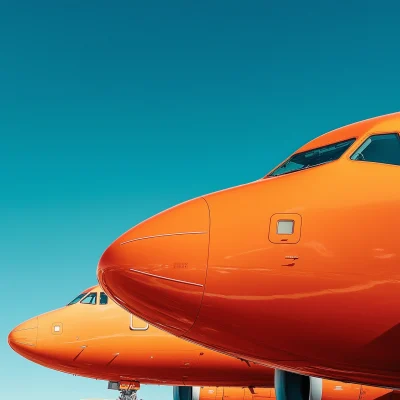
[93, 337]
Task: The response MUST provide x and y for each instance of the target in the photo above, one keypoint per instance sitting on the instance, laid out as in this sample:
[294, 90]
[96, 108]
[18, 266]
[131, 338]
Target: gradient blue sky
[113, 111]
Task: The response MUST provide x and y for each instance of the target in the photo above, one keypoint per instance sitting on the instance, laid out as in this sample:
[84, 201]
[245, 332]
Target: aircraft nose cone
[23, 338]
[157, 269]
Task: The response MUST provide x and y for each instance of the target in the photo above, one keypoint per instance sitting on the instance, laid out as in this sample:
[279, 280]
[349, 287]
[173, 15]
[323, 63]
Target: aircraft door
[219, 393]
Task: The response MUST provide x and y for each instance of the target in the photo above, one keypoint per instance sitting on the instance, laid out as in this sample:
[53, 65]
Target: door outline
[294, 237]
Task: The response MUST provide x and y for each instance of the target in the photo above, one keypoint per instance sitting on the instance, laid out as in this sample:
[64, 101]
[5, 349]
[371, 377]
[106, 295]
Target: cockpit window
[91, 298]
[76, 299]
[312, 158]
[383, 149]
[103, 298]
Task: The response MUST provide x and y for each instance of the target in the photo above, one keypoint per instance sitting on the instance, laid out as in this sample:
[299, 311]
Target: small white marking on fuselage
[164, 277]
[24, 343]
[163, 235]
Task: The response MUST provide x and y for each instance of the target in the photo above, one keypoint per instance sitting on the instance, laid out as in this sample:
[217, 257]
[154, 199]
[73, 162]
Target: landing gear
[127, 395]
[127, 389]
[291, 386]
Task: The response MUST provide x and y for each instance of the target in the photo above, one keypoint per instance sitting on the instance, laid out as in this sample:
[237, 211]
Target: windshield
[312, 158]
[384, 148]
[76, 299]
[90, 299]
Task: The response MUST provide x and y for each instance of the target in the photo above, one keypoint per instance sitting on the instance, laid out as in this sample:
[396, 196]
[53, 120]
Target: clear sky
[113, 111]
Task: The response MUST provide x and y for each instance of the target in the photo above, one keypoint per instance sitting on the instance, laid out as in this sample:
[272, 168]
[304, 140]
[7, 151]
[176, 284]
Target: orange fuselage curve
[322, 300]
[106, 342]
[103, 341]
[332, 390]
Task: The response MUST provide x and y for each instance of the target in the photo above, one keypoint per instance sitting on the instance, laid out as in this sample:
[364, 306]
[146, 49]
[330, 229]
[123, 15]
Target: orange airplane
[299, 270]
[95, 338]
[331, 391]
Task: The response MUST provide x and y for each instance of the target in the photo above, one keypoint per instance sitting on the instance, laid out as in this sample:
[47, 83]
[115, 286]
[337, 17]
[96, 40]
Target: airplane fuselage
[299, 271]
[106, 342]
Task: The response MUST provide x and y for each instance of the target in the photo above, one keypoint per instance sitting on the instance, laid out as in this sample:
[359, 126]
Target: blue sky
[113, 111]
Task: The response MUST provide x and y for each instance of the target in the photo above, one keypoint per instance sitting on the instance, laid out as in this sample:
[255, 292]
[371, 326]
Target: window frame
[343, 155]
[369, 136]
[90, 304]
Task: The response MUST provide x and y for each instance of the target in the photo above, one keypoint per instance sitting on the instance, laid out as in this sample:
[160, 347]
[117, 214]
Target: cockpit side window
[103, 298]
[76, 299]
[313, 158]
[384, 149]
[91, 298]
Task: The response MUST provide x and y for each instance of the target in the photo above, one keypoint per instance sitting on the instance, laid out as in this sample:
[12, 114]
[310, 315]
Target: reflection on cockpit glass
[91, 298]
[76, 299]
[382, 148]
[103, 298]
[314, 157]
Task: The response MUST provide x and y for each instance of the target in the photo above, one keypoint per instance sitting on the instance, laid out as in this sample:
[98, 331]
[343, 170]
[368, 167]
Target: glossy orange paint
[105, 342]
[332, 390]
[325, 304]
[232, 393]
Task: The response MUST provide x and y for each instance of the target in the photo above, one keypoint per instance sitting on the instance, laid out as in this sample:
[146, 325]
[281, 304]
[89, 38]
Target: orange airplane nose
[157, 269]
[23, 338]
